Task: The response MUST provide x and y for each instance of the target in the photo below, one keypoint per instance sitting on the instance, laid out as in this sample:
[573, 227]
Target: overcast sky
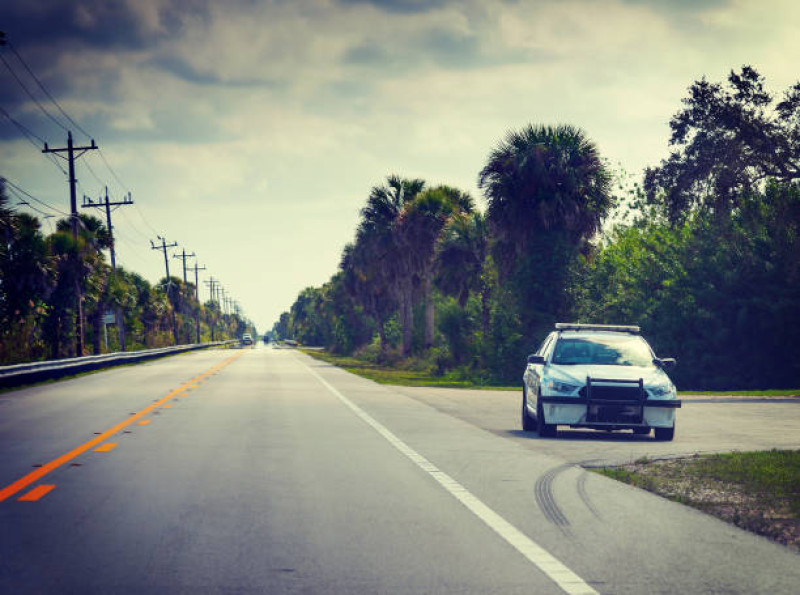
[250, 132]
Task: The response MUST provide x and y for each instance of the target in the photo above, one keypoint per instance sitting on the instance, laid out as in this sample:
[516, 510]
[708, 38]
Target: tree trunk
[78, 320]
[120, 328]
[97, 326]
[407, 316]
[174, 328]
[382, 335]
[429, 311]
[485, 311]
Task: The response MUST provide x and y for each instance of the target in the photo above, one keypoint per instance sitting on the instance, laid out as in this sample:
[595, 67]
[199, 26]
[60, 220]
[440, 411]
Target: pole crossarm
[183, 256]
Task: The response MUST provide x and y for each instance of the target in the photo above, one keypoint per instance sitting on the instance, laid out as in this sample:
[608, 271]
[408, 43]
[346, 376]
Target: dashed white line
[567, 580]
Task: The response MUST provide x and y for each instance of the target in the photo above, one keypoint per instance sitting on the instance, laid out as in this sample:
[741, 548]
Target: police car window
[545, 344]
[611, 351]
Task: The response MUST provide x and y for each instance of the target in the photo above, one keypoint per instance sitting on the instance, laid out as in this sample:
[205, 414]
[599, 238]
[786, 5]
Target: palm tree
[542, 179]
[80, 265]
[420, 226]
[367, 283]
[380, 235]
[6, 215]
[462, 253]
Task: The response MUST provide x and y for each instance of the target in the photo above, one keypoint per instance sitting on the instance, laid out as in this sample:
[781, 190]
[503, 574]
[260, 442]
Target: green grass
[400, 376]
[774, 473]
[397, 376]
[757, 491]
[792, 392]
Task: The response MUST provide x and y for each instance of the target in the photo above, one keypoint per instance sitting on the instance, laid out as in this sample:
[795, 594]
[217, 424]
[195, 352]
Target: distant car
[247, 339]
[602, 377]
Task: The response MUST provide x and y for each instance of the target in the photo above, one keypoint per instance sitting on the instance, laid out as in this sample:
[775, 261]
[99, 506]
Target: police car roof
[616, 328]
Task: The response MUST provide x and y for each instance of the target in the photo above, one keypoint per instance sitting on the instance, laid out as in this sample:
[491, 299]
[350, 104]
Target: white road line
[567, 580]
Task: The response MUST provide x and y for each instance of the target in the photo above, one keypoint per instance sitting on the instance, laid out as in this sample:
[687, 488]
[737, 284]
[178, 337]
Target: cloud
[402, 6]
[100, 24]
[193, 74]
[268, 121]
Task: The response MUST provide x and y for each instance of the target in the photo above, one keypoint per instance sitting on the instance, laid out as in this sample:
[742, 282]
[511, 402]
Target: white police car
[603, 377]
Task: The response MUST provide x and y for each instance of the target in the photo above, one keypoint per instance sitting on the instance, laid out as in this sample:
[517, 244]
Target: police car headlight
[560, 387]
[661, 391]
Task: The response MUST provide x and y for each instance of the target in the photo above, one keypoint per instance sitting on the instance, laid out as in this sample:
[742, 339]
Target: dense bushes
[43, 277]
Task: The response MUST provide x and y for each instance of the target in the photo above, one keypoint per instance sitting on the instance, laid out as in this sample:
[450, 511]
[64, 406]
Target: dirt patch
[690, 481]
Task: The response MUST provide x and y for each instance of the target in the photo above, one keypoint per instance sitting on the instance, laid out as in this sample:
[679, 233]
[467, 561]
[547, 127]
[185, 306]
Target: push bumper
[574, 411]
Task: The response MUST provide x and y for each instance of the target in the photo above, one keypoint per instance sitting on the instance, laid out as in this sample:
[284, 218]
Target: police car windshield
[608, 350]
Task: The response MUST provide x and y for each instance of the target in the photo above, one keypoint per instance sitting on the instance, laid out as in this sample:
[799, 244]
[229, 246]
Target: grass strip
[400, 376]
[397, 376]
[792, 392]
[757, 491]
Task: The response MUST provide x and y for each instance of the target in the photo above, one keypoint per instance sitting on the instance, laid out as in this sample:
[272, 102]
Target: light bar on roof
[617, 328]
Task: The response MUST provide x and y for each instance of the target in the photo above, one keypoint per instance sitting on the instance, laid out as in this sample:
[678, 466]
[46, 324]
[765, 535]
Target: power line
[30, 136]
[113, 173]
[31, 95]
[143, 218]
[46, 92]
[24, 203]
[26, 131]
[58, 106]
[134, 250]
[91, 171]
[32, 197]
[133, 226]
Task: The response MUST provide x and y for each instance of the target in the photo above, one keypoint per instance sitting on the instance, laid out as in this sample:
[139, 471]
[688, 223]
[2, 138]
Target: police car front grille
[630, 391]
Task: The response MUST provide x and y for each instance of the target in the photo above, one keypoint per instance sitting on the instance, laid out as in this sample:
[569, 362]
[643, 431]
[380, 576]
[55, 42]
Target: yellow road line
[40, 472]
[37, 493]
[107, 447]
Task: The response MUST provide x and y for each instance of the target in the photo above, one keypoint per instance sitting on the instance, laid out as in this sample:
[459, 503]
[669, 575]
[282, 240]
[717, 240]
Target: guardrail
[20, 374]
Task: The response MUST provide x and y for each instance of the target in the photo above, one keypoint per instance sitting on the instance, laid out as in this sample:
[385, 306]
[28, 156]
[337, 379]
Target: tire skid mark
[546, 500]
[584, 495]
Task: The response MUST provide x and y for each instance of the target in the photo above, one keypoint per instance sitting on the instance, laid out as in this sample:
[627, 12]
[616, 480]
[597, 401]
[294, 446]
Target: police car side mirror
[535, 359]
[666, 363]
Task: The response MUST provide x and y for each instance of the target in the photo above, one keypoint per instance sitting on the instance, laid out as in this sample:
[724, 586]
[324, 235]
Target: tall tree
[548, 192]
[728, 141]
[462, 255]
[544, 178]
[25, 284]
[380, 231]
[366, 280]
[419, 228]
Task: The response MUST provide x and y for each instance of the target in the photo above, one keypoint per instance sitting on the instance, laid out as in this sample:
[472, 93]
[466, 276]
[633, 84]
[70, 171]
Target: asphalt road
[264, 471]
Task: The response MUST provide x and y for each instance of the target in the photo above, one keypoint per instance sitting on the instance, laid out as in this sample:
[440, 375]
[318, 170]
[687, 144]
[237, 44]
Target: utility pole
[183, 256]
[196, 268]
[224, 301]
[165, 247]
[87, 202]
[212, 283]
[71, 151]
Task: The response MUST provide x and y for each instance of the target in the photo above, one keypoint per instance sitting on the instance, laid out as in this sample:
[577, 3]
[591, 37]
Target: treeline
[704, 255]
[44, 279]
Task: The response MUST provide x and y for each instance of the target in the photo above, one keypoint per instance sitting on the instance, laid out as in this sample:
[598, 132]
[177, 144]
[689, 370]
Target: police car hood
[579, 372]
